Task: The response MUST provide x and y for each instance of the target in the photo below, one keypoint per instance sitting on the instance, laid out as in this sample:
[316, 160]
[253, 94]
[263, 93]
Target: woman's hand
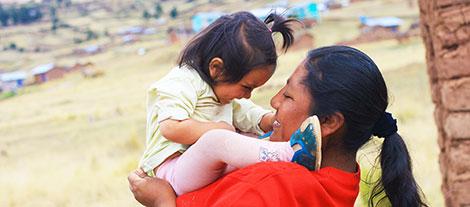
[150, 191]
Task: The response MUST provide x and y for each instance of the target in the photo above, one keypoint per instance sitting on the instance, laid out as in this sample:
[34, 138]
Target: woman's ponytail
[282, 25]
[397, 177]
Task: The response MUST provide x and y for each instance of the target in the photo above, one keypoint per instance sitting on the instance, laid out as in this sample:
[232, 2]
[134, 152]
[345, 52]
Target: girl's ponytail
[282, 25]
[397, 177]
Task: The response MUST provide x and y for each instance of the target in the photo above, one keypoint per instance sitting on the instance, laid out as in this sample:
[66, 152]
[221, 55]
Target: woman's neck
[337, 157]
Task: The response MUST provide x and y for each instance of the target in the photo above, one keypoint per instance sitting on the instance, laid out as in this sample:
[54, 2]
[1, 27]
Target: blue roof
[131, 30]
[92, 49]
[209, 14]
[42, 68]
[13, 76]
[305, 10]
[262, 13]
[381, 21]
[203, 19]
[278, 3]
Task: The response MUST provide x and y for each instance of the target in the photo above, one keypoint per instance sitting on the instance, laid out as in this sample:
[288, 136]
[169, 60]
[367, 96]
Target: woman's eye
[286, 96]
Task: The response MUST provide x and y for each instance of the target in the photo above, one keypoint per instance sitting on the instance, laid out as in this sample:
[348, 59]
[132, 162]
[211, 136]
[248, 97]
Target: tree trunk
[445, 26]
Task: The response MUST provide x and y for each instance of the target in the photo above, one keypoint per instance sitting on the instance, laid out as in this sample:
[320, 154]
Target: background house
[88, 50]
[79, 67]
[307, 12]
[12, 81]
[202, 19]
[46, 72]
[391, 24]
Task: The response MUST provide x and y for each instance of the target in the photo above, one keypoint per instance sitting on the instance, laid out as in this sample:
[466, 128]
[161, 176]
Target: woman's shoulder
[265, 170]
[276, 183]
[298, 177]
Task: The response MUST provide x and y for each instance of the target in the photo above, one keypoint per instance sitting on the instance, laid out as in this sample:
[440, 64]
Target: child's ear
[216, 66]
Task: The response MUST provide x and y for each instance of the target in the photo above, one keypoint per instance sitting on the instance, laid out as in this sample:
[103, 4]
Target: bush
[174, 13]
[90, 34]
[158, 11]
[12, 46]
[146, 14]
[7, 94]
[77, 40]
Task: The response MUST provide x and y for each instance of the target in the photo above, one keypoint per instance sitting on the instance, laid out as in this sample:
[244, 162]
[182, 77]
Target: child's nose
[247, 95]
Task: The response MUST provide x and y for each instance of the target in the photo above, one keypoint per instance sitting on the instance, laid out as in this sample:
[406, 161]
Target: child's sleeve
[172, 99]
[247, 116]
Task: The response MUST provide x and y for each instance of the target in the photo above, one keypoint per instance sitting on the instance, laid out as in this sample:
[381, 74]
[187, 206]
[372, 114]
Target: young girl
[219, 67]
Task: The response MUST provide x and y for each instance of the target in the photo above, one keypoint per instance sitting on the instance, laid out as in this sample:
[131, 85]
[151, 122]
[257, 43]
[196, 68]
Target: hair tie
[270, 30]
[385, 126]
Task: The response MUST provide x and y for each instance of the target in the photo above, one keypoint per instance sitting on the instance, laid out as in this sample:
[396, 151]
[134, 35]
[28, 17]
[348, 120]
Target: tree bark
[445, 26]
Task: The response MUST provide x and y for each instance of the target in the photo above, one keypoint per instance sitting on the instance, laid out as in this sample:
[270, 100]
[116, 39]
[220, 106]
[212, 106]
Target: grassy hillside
[72, 142]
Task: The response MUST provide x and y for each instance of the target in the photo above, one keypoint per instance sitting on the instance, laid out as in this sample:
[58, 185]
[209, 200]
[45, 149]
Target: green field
[72, 142]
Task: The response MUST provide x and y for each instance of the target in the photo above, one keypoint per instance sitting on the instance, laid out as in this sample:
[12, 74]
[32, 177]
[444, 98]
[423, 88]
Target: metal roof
[13, 76]
[42, 68]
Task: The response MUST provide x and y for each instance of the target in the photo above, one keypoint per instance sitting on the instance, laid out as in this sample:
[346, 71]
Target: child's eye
[247, 88]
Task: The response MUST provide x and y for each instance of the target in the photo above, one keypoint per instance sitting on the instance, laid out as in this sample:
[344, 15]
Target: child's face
[257, 77]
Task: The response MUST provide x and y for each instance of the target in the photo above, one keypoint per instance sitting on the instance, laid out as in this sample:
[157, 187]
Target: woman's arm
[151, 192]
[188, 131]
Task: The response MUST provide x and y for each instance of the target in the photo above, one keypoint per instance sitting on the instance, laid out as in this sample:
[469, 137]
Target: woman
[346, 90]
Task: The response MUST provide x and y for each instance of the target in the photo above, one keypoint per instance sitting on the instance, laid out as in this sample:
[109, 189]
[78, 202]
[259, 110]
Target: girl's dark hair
[345, 80]
[241, 40]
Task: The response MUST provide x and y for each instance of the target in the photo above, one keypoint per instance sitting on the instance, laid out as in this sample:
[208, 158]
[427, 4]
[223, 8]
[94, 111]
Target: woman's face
[292, 104]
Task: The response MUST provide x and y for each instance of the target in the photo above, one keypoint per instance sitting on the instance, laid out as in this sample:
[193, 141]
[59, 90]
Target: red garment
[278, 184]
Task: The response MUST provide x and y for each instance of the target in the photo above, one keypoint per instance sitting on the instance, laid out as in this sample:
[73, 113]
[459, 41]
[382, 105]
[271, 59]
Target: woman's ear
[216, 66]
[331, 124]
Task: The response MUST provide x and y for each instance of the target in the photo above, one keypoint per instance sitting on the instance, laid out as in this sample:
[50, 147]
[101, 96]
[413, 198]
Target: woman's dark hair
[241, 40]
[345, 80]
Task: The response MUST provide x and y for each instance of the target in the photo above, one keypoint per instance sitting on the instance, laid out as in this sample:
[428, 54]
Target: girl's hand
[149, 191]
[266, 123]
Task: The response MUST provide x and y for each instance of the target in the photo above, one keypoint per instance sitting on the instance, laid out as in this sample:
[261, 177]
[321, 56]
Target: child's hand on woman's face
[266, 123]
[151, 191]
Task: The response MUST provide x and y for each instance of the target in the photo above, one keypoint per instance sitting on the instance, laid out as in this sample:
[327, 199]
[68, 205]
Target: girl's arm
[266, 123]
[189, 131]
[248, 117]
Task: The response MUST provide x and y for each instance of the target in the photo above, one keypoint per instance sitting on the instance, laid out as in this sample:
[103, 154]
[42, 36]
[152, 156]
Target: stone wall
[445, 26]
